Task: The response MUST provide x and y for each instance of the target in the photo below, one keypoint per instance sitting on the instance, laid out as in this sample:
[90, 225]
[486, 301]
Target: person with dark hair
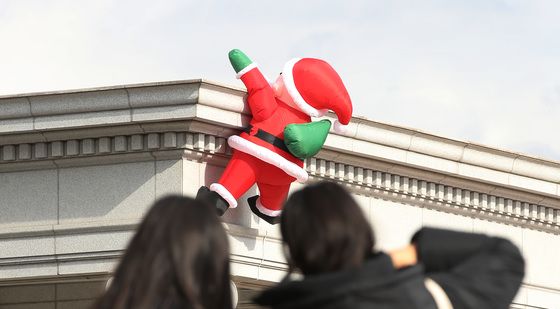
[179, 258]
[330, 242]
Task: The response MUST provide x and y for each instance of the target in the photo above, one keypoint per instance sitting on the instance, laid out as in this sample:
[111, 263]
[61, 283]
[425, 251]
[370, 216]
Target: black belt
[269, 138]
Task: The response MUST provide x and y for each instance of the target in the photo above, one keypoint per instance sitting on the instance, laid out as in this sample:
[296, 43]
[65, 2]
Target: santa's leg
[237, 178]
[268, 206]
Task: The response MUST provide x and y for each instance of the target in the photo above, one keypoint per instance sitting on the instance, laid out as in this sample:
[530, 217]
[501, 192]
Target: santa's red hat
[316, 88]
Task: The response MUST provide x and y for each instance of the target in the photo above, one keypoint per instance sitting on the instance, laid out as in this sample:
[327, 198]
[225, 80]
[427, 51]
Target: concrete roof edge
[103, 88]
[358, 121]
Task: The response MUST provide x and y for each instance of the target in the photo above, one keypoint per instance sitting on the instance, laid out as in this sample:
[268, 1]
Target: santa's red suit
[260, 155]
[275, 168]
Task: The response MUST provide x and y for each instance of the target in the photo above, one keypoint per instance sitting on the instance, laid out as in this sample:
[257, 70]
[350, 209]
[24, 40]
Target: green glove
[306, 139]
[238, 60]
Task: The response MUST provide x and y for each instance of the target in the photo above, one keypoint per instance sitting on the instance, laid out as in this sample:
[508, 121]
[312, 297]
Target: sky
[485, 71]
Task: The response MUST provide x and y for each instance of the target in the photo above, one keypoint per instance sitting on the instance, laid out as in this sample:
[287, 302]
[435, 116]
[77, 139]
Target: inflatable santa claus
[271, 150]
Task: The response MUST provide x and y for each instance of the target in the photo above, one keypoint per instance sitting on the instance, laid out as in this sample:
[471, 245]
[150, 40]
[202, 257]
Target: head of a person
[325, 230]
[179, 258]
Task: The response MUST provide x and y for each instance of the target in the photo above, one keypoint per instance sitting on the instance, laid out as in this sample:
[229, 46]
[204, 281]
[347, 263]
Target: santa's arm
[260, 94]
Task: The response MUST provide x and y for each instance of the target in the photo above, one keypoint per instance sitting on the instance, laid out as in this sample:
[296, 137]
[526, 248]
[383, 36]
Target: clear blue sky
[485, 71]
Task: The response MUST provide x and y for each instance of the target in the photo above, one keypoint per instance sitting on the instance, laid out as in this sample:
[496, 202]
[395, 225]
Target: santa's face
[281, 93]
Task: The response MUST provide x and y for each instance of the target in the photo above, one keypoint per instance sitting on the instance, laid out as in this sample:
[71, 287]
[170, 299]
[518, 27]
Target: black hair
[325, 230]
[179, 258]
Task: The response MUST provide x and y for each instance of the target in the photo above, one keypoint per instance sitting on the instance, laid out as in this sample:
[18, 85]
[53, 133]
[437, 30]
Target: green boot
[238, 60]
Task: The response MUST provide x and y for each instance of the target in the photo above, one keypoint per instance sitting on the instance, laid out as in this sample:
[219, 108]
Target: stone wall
[78, 170]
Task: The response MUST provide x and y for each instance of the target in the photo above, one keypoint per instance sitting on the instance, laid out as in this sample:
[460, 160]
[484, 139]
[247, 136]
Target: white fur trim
[440, 297]
[288, 76]
[246, 69]
[339, 127]
[268, 156]
[223, 192]
[266, 211]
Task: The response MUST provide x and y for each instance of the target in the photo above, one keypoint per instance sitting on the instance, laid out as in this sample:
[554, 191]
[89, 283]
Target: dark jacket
[475, 271]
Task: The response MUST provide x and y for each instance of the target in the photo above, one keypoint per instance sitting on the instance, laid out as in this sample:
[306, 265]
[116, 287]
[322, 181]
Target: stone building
[78, 169]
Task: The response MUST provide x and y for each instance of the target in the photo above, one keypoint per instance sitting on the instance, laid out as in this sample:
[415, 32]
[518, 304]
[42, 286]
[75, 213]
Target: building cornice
[62, 117]
[371, 178]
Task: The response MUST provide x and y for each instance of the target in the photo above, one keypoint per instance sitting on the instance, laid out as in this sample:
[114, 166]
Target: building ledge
[27, 120]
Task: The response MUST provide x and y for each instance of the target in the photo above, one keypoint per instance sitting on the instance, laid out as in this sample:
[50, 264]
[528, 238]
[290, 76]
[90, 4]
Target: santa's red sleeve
[261, 95]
